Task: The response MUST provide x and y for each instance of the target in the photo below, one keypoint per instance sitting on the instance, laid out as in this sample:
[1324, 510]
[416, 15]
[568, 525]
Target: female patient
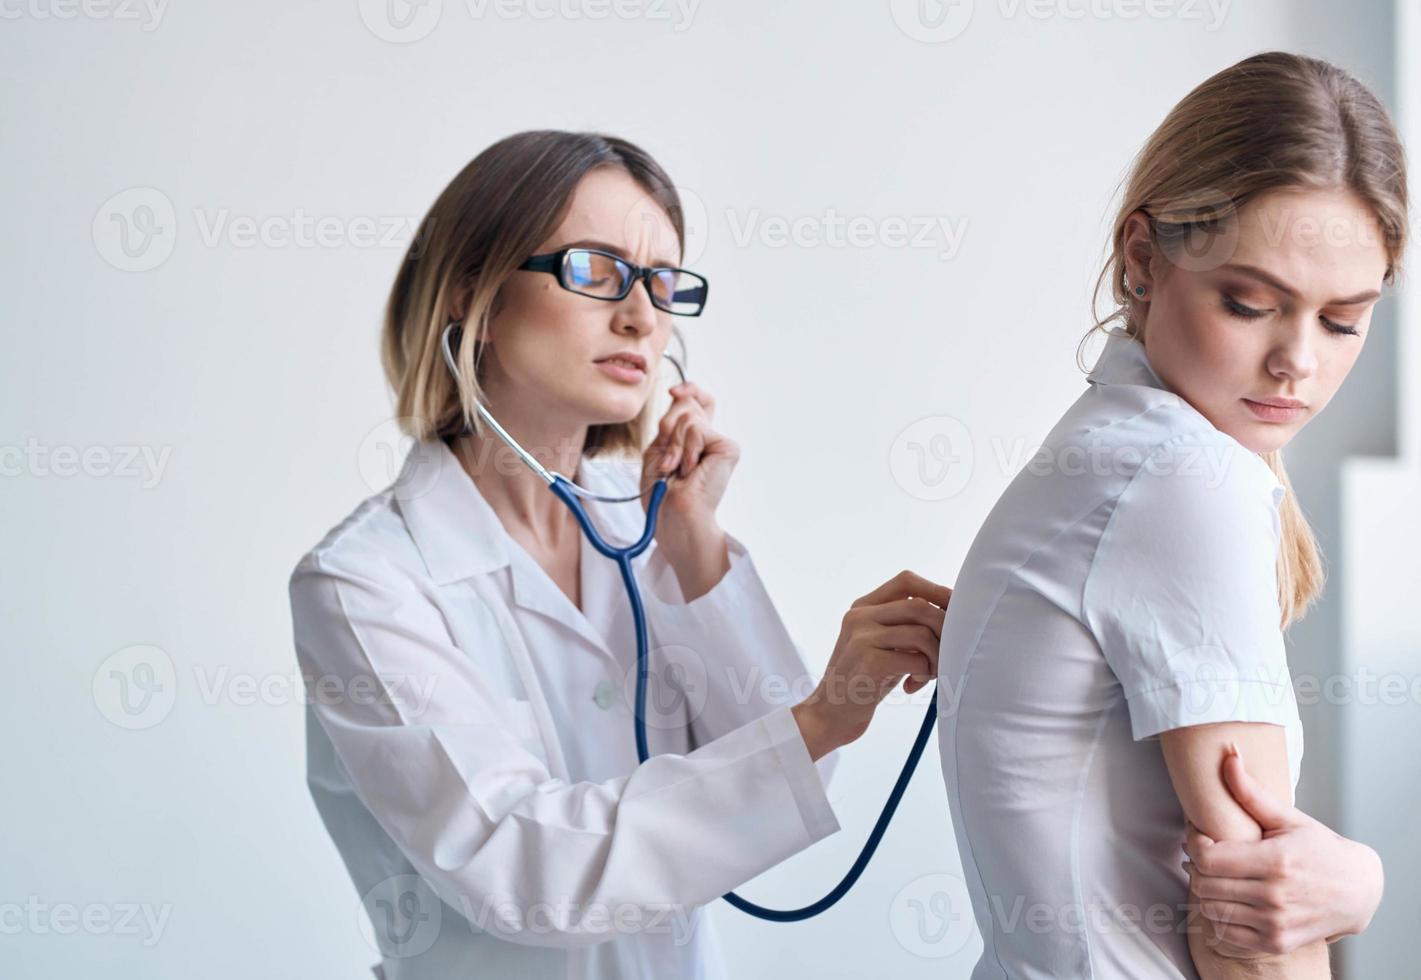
[1117, 628]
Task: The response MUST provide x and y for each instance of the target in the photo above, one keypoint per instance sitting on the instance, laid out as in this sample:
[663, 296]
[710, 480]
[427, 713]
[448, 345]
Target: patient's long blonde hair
[1273, 121]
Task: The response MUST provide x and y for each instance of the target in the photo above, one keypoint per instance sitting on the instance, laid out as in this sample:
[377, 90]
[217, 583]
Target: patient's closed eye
[1249, 313]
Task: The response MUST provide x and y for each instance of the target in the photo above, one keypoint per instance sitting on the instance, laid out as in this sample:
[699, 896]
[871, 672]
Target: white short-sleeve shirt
[1124, 585]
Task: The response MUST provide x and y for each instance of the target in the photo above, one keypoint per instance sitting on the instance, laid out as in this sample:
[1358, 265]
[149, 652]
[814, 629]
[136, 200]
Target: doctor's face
[550, 346]
[1279, 319]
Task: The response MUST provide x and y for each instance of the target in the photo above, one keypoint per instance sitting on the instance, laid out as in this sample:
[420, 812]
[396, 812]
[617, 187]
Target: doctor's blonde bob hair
[1273, 121]
[494, 214]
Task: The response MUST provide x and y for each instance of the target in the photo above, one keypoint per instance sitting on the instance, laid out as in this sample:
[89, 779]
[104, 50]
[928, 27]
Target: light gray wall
[1360, 421]
[247, 371]
[1379, 792]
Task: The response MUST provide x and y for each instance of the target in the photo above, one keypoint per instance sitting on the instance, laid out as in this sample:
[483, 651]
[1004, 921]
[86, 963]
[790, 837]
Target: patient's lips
[1276, 409]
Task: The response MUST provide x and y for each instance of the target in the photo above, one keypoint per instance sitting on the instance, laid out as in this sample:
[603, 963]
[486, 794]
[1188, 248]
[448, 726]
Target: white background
[241, 358]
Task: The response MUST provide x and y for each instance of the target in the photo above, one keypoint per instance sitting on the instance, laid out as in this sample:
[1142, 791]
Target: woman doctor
[485, 793]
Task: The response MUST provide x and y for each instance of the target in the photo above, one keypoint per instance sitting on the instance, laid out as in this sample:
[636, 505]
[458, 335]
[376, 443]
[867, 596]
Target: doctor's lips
[627, 366]
[1275, 409]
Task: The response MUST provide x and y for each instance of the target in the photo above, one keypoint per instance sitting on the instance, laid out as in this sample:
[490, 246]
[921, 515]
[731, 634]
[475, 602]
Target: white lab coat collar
[459, 534]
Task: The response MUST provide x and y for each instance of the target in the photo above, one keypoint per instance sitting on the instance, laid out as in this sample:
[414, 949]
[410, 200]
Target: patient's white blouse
[1123, 585]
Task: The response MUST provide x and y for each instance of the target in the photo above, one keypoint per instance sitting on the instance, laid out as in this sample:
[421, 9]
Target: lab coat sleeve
[480, 817]
[733, 642]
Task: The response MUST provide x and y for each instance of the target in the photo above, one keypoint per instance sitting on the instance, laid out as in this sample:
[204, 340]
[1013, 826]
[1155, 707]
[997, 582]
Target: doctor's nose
[635, 315]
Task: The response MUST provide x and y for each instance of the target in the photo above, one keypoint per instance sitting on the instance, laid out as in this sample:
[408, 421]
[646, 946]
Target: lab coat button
[605, 694]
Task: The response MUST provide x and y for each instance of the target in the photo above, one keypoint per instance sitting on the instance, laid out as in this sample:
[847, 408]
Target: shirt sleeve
[480, 817]
[1182, 595]
[733, 642]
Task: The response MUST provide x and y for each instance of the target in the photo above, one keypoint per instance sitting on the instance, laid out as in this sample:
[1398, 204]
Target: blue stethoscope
[569, 492]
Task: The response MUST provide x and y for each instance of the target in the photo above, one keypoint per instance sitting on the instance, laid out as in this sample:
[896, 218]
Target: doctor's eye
[594, 273]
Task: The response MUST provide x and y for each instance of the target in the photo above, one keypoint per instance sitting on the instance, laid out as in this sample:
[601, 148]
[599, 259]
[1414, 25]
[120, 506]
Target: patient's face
[1282, 315]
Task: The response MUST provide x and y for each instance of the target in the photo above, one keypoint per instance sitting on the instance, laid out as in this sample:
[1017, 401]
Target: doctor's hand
[695, 459]
[1300, 883]
[887, 635]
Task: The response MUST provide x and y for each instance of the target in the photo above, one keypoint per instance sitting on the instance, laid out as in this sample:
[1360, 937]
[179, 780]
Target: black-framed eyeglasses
[603, 275]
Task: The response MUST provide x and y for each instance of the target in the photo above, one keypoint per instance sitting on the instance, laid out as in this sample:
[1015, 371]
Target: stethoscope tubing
[623, 557]
[569, 493]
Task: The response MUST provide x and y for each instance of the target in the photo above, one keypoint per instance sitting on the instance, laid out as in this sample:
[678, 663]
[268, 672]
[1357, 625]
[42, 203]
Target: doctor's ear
[458, 302]
[460, 296]
[494, 309]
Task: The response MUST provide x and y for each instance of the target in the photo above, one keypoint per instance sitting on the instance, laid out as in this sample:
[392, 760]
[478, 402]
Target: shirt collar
[459, 534]
[1123, 362]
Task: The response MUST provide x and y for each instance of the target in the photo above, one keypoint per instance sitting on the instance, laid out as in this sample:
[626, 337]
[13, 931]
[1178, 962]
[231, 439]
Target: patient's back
[1120, 587]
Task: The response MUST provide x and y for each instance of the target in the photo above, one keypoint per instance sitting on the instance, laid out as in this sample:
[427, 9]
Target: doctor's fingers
[914, 640]
[902, 586]
[690, 438]
[891, 666]
[694, 441]
[680, 408]
[666, 451]
[915, 611]
[671, 429]
[689, 389]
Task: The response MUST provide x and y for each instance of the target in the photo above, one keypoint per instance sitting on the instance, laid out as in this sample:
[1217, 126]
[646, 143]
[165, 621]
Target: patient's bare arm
[1302, 882]
[1195, 757]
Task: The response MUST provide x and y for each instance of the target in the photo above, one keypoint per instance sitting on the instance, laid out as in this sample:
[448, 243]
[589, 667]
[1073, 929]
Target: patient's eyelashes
[1249, 313]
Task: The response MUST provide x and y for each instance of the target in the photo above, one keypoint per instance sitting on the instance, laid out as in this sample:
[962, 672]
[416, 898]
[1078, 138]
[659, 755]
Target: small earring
[1139, 290]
